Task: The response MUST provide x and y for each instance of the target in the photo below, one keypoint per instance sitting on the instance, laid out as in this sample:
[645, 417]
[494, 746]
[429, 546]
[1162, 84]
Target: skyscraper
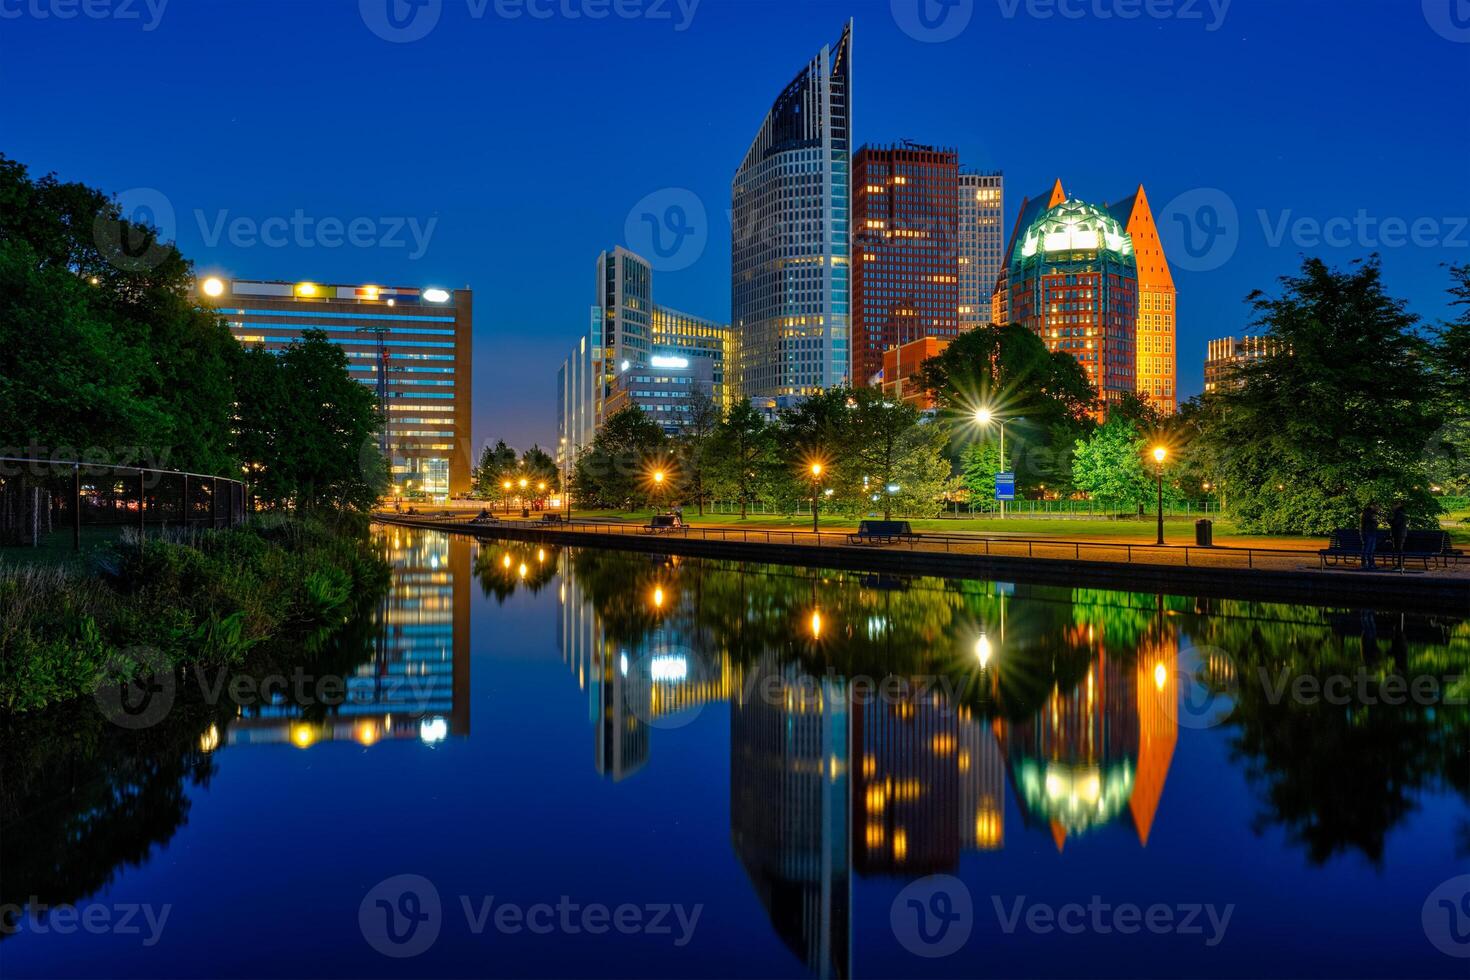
[1156, 358]
[905, 284]
[790, 249]
[1225, 356]
[981, 242]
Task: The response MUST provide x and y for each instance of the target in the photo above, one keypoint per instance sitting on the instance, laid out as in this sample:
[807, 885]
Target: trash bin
[1204, 533]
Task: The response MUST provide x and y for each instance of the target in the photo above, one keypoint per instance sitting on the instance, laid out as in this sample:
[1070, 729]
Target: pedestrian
[1368, 530]
[1398, 525]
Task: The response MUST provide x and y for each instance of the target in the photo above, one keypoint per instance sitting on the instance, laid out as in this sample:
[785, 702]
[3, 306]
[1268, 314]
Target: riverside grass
[182, 598]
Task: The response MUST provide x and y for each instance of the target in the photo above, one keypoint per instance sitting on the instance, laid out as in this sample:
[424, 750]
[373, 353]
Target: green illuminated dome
[1075, 226]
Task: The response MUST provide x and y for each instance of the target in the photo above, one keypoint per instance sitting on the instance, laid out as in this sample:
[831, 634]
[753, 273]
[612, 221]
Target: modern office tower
[1072, 278]
[1156, 357]
[412, 346]
[671, 353]
[1031, 209]
[1225, 356]
[981, 243]
[899, 365]
[905, 277]
[790, 248]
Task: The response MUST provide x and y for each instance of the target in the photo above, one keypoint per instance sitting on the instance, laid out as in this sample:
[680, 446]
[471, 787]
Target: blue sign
[1005, 486]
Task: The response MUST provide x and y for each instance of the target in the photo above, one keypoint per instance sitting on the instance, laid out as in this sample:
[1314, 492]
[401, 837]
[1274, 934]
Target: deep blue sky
[530, 140]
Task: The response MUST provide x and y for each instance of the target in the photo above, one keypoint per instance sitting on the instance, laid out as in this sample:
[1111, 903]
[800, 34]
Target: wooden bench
[882, 532]
[551, 518]
[660, 523]
[1346, 546]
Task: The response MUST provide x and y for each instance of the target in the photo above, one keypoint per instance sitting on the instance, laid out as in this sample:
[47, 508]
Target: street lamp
[816, 495]
[506, 487]
[985, 416]
[1159, 453]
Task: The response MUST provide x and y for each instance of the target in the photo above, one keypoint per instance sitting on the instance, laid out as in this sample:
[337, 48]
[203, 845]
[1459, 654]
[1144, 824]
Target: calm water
[608, 764]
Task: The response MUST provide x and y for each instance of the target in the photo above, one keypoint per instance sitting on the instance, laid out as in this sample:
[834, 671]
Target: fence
[39, 497]
[956, 544]
[1014, 508]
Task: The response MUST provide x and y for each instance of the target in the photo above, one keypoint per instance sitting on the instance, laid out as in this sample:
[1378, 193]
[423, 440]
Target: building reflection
[839, 771]
[415, 684]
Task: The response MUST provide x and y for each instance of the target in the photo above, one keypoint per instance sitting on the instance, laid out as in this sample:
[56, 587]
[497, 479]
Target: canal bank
[1224, 573]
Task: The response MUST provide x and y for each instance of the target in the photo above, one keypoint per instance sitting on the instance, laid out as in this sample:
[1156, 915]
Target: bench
[551, 518]
[882, 532]
[1427, 546]
[659, 523]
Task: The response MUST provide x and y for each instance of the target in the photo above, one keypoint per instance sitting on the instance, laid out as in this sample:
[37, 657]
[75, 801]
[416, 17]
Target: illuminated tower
[1156, 350]
[982, 205]
[790, 247]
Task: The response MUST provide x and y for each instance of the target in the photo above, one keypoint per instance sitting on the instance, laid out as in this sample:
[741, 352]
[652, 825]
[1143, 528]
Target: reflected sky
[787, 749]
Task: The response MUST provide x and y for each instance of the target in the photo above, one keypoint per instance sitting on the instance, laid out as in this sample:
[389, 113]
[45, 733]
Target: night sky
[517, 146]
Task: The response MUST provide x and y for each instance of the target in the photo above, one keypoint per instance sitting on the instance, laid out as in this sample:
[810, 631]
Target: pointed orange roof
[1058, 834]
[1137, 218]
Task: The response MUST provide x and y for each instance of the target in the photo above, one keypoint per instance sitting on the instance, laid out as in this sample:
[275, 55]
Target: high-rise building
[905, 282]
[790, 249]
[1155, 374]
[1225, 356]
[412, 346]
[671, 355]
[1072, 278]
[1152, 373]
[900, 363]
[981, 243]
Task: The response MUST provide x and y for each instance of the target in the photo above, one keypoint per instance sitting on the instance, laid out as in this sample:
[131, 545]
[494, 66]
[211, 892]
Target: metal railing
[39, 497]
[1217, 556]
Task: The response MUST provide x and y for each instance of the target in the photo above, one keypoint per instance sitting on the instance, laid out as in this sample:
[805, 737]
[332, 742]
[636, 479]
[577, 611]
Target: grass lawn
[55, 549]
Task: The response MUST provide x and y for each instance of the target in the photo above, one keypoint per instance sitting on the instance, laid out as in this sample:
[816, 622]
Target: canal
[533, 761]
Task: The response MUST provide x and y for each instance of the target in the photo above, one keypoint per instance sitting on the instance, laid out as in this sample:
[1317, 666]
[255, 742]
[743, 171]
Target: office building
[981, 243]
[412, 346]
[1228, 354]
[1155, 371]
[635, 351]
[899, 365]
[905, 282]
[790, 249]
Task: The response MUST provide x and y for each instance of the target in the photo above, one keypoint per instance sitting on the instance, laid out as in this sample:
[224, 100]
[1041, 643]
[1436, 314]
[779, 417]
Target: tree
[496, 464]
[1012, 372]
[886, 443]
[308, 431]
[614, 470]
[1449, 449]
[979, 464]
[1336, 416]
[742, 453]
[693, 446]
[537, 466]
[1109, 465]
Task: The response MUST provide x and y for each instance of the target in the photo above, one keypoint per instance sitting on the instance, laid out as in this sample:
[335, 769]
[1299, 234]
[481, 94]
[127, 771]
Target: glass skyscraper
[790, 248]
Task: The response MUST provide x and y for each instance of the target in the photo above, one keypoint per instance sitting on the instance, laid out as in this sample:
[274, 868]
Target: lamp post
[816, 493]
[985, 416]
[506, 488]
[658, 486]
[1159, 453]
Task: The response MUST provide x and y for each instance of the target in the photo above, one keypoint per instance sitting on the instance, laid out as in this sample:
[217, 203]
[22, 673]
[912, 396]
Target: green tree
[614, 470]
[1337, 416]
[693, 447]
[888, 444]
[1011, 371]
[1449, 449]
[537, 466]
[742, 455]
[979, 464]
[496, 464]
[1109, 465]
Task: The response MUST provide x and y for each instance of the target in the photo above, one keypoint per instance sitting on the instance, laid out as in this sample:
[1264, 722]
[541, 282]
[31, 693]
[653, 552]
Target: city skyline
[1289, 196]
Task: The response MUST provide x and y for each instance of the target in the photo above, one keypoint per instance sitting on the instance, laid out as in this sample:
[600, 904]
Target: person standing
[1398, 526]
[1368, 531]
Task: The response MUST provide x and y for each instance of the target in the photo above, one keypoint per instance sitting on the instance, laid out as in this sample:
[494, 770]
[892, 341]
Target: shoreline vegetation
[217, 598]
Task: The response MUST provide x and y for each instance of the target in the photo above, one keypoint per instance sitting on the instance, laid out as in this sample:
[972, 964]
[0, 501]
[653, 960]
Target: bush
[193, 597]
